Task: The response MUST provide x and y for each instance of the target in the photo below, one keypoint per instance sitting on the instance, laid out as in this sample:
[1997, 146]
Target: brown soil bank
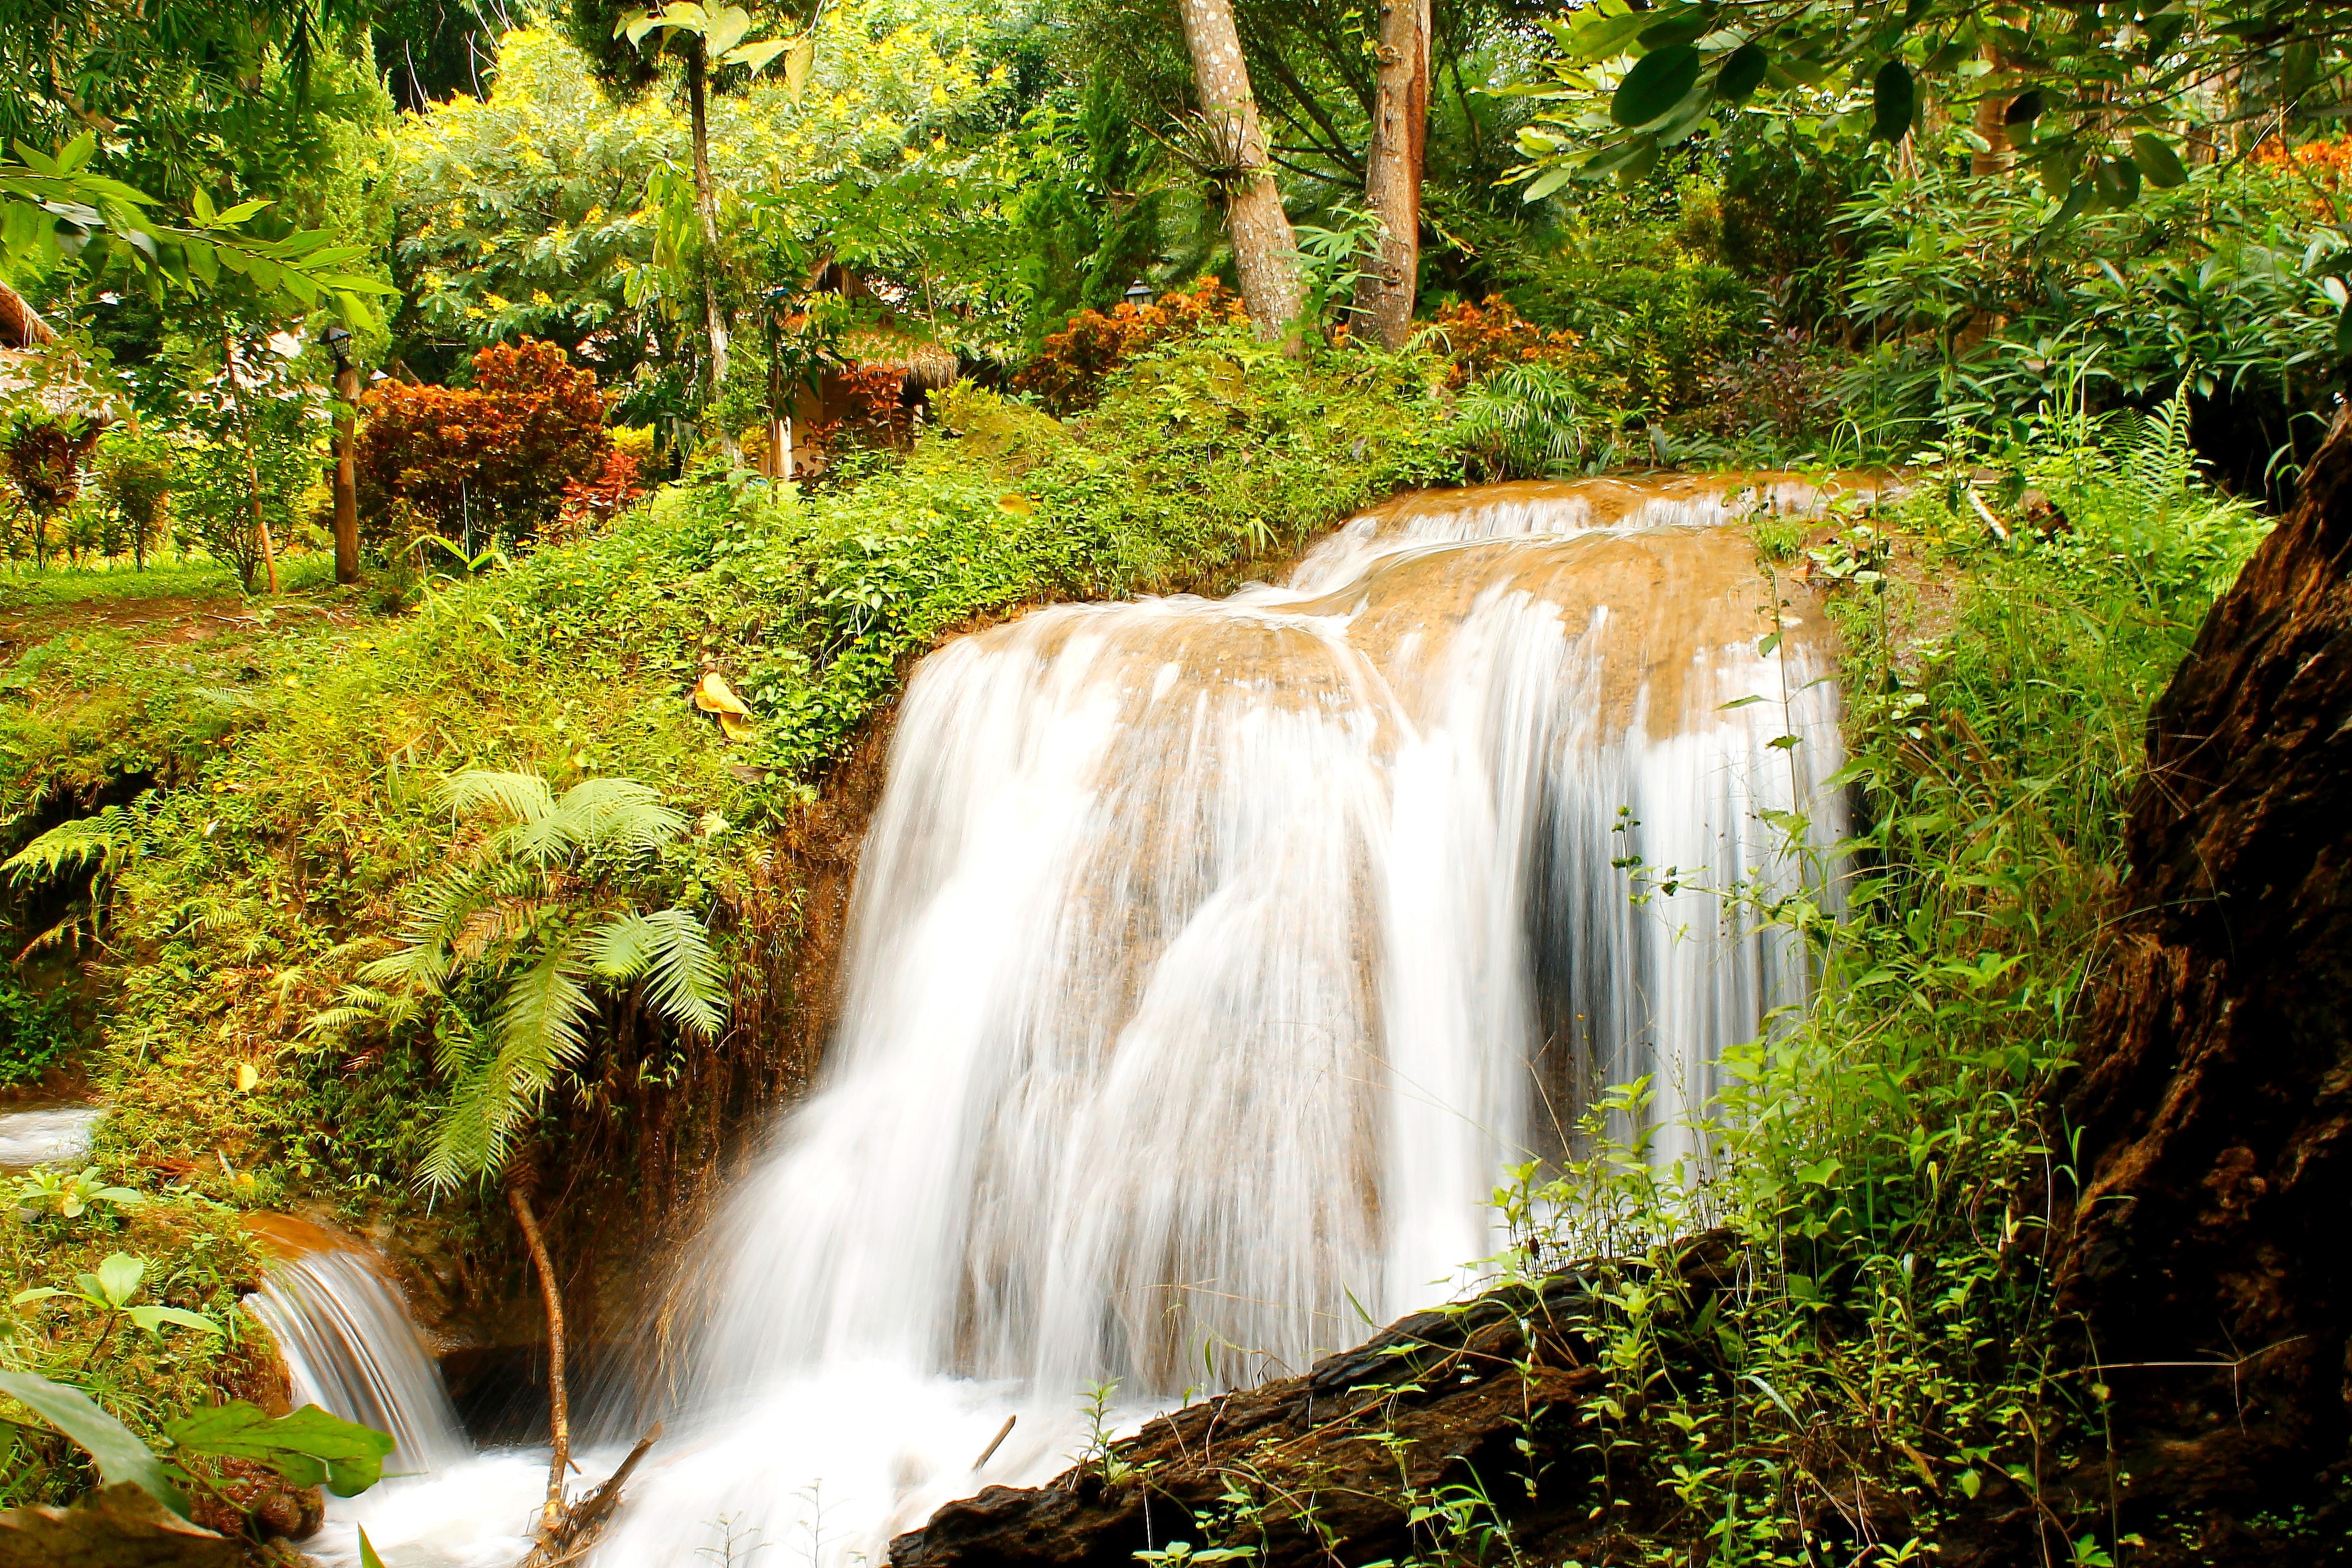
[2204, 1258]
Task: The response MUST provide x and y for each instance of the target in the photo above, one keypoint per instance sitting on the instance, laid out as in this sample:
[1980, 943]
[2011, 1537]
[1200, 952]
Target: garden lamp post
[347, 504]
[1139, 294]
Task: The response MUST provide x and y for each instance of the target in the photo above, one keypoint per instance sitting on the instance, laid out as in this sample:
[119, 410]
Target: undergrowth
[1884, 1165]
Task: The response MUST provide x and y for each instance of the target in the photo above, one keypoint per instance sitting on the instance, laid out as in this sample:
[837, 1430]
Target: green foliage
[309, 1447]
[182, 1265]
[36, 1031]
[2095, 100]
[544, 905]
[72, 1195]
[1982, 306]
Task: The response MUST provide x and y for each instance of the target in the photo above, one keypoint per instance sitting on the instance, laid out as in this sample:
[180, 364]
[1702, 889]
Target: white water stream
[1209, 962]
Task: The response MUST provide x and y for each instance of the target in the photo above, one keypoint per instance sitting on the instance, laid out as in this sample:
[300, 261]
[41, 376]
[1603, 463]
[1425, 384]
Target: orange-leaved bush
[1068, 373]
[494, 458]
[1478, 338]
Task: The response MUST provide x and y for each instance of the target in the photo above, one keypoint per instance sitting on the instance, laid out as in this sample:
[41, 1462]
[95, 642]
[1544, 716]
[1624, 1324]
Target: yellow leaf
[247, 1074]
[737, 728]
[799, 56]
[715, 696]
[1019, 506]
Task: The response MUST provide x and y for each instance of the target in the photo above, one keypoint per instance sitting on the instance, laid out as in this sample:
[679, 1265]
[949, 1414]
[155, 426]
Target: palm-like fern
[536, 918]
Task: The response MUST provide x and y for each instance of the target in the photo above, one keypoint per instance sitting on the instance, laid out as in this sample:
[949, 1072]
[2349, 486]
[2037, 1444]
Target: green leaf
[2157, 160]
[1895, 101]
[1742, 73]
[117, 1278]
[368, 1559]
[153, 1317]
[1547, 181]
[2344, 331]
[38, 1293]
[2117, 181]
[121, 1456]
[728, 26]
[1683, 24]
[1656, 85]
[307, 1447]
[2025, 109]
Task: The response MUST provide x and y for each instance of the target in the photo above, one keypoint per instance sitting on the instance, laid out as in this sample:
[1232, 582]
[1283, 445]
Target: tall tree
[1233, 152]
[703, 39]
[1392, 171]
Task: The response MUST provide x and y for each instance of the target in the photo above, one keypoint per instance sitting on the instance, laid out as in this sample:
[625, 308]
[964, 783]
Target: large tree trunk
[1392, 172]
[2209, 1250]
[1265, 251]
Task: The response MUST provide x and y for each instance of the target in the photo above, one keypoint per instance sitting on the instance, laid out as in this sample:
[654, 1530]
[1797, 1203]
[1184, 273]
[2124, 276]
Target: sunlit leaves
[1656, 85]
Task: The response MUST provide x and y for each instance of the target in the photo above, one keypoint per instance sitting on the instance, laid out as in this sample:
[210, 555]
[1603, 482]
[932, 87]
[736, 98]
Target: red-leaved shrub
[1068, 373]
[499, 454]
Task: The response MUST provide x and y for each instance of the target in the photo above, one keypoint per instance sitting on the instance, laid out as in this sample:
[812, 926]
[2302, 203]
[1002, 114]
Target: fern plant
[504, 952]
[101, 844]
[1524, 421]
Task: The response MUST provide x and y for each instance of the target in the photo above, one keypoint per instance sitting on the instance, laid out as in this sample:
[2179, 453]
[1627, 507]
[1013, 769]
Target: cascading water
[350, 1344]
[1209, 961]
[354, 1350]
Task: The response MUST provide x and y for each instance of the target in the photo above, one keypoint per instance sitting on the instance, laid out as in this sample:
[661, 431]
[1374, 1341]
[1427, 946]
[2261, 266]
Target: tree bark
[1991, 123]
[559, 1399]
[1392, 172]
[706, 211]
[347, 504]
[2208, 1250]
[1265, 251]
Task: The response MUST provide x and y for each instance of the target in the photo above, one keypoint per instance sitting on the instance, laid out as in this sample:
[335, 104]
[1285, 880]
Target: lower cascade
[1210, 961]
[1209, 964]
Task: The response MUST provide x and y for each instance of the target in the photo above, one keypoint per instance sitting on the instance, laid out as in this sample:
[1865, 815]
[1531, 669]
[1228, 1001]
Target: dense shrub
[492, 458]
[1069, 371]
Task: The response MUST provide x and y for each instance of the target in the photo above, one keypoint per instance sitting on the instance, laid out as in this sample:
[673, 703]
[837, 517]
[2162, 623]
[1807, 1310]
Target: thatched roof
[21, 326]
[919, 361]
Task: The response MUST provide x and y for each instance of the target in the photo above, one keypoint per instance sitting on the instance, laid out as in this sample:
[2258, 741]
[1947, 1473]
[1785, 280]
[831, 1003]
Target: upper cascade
[1210, 961]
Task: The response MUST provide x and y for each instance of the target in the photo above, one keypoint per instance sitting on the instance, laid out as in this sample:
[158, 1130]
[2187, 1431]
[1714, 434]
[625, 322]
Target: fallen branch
[575, 1530]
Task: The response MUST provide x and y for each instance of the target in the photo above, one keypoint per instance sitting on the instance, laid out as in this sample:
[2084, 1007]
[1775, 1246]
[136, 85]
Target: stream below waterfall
[1209, 962]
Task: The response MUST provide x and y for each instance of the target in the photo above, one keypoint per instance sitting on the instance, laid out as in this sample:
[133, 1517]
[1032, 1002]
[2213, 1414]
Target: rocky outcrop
[2208, 1252]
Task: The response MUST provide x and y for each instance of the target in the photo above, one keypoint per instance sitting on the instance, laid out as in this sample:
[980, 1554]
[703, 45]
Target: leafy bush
[1070, 371]
[254, 439]
[36, 1032]
[493, 458]
[136, 473]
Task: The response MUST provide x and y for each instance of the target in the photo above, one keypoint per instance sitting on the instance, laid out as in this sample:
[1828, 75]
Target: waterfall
[1209, 961]
[350, 1344]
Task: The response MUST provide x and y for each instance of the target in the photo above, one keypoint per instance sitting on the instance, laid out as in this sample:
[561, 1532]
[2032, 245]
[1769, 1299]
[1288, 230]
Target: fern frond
[671, 951]
[538, 1028]
[522, 797]
[106, 842]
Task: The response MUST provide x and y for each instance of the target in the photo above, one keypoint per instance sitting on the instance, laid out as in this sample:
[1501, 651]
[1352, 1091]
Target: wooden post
[346, 501]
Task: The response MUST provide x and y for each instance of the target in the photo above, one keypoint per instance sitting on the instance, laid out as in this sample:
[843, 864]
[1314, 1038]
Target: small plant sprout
[113, 1290]
[72, 1196]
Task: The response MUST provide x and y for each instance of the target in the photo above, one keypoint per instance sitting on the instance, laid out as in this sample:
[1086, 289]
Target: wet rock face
[2215, 1104]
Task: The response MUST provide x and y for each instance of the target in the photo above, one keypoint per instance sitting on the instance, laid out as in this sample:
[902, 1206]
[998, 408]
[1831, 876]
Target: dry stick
[996, 1442]
[559, 1399]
